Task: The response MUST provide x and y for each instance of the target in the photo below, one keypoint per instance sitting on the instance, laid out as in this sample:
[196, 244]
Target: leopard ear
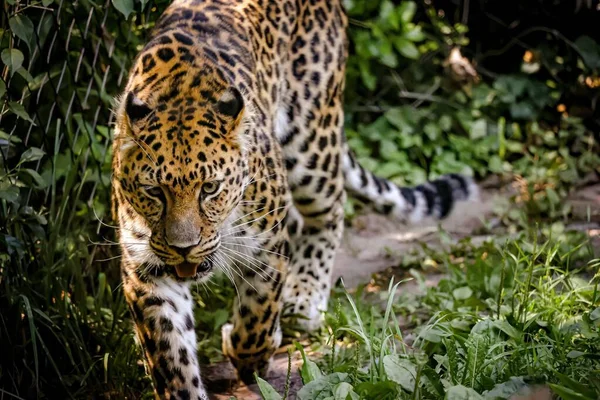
[135, 108]
[231, 103]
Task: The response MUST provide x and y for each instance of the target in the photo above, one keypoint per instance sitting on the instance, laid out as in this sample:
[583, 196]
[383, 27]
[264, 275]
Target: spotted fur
[229, 154]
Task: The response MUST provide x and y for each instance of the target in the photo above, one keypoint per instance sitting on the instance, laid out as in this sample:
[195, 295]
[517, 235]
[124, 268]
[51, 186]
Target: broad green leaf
[589, 50]
[432, 131]
[125, 7]
[460, 392]
[508, 329]
[462, 293]
[39, 181]
[389, 169]
[10, 193]
[22, 27]
[401, 371]
[26, 75]
[32, 154]
[522, 110]
[387, 15]
[13, 58]
[477, 346]
[406, 48]
[576, 386]
[367, 76]
[377, 390]
[594, 315]
[11, 138]
[19, 110]
[506, 389]
[406, 11]
[309, 371]
[414, 33]
[344, 391]
[478, 129]
[2, 88]
[567, 393]
[46, 3]
[445, 122]
[266, 390]
[323, 387]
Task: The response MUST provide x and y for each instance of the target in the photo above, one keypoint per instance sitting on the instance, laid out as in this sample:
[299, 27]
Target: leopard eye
[210, 187]
[154, 191]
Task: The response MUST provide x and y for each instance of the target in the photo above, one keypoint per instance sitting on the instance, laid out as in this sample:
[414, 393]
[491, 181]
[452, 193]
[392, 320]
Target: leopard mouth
[189, 269]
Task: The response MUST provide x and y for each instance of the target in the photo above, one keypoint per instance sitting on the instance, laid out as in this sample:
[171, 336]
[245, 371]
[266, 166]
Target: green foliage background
[64, 327]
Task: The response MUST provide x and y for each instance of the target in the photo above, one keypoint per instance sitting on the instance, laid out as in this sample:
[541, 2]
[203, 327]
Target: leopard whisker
[233, 234]
[233, 257]
[256, 219]
[238, 272]
[221, 264]
[247, 257]
[256, 248]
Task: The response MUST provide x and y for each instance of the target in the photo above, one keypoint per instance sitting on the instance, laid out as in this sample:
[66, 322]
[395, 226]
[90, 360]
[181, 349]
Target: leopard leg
[309, 126]
[306, 290]
[162, 310]
[254, 334]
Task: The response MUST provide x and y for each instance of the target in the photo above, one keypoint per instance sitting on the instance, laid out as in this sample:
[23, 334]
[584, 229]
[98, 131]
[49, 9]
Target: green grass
[507, 315]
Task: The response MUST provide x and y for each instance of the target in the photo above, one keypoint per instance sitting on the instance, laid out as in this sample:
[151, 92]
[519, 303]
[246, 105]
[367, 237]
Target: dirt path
[374, 243]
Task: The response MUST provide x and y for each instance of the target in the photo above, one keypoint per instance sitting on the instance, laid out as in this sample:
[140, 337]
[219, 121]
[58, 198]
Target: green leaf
[478, 129]
[377, 390]
[414, 33]
[594, 315]
[406, 11]
[344, 391]
[367, 76]
[579, 387]
[387, 14]
[477, 346]
[13, 58]
[11, 138]
[22, 27]
[589, 50]
[2, 88]
[508, 329]
[309, 371]
[19, 110]
[389, 169]
[460, 392]
[125, 7]
[46, 3]
[567, 393]
[32, 154]
[432, 130]
[39, 181]
[266, 390]
[406, 48]
[10, 193]
[322, 388]
[401, 371]
[462, 293]
[522, 110]
[506, 389]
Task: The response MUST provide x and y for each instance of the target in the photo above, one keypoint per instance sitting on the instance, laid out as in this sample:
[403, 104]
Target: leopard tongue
[186, 270]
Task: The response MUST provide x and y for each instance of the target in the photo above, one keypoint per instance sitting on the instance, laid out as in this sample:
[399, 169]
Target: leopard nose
[184, 251]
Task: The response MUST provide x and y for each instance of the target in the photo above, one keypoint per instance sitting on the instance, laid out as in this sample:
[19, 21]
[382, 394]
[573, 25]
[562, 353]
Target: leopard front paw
[247, 363]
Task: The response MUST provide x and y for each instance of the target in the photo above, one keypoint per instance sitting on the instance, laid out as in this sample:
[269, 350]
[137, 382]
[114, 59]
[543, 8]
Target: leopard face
[181, 168]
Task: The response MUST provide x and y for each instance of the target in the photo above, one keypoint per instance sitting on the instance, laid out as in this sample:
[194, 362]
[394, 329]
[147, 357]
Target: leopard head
[180, 165]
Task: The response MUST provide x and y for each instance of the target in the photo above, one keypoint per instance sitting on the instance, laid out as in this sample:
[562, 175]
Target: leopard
[229, 155]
